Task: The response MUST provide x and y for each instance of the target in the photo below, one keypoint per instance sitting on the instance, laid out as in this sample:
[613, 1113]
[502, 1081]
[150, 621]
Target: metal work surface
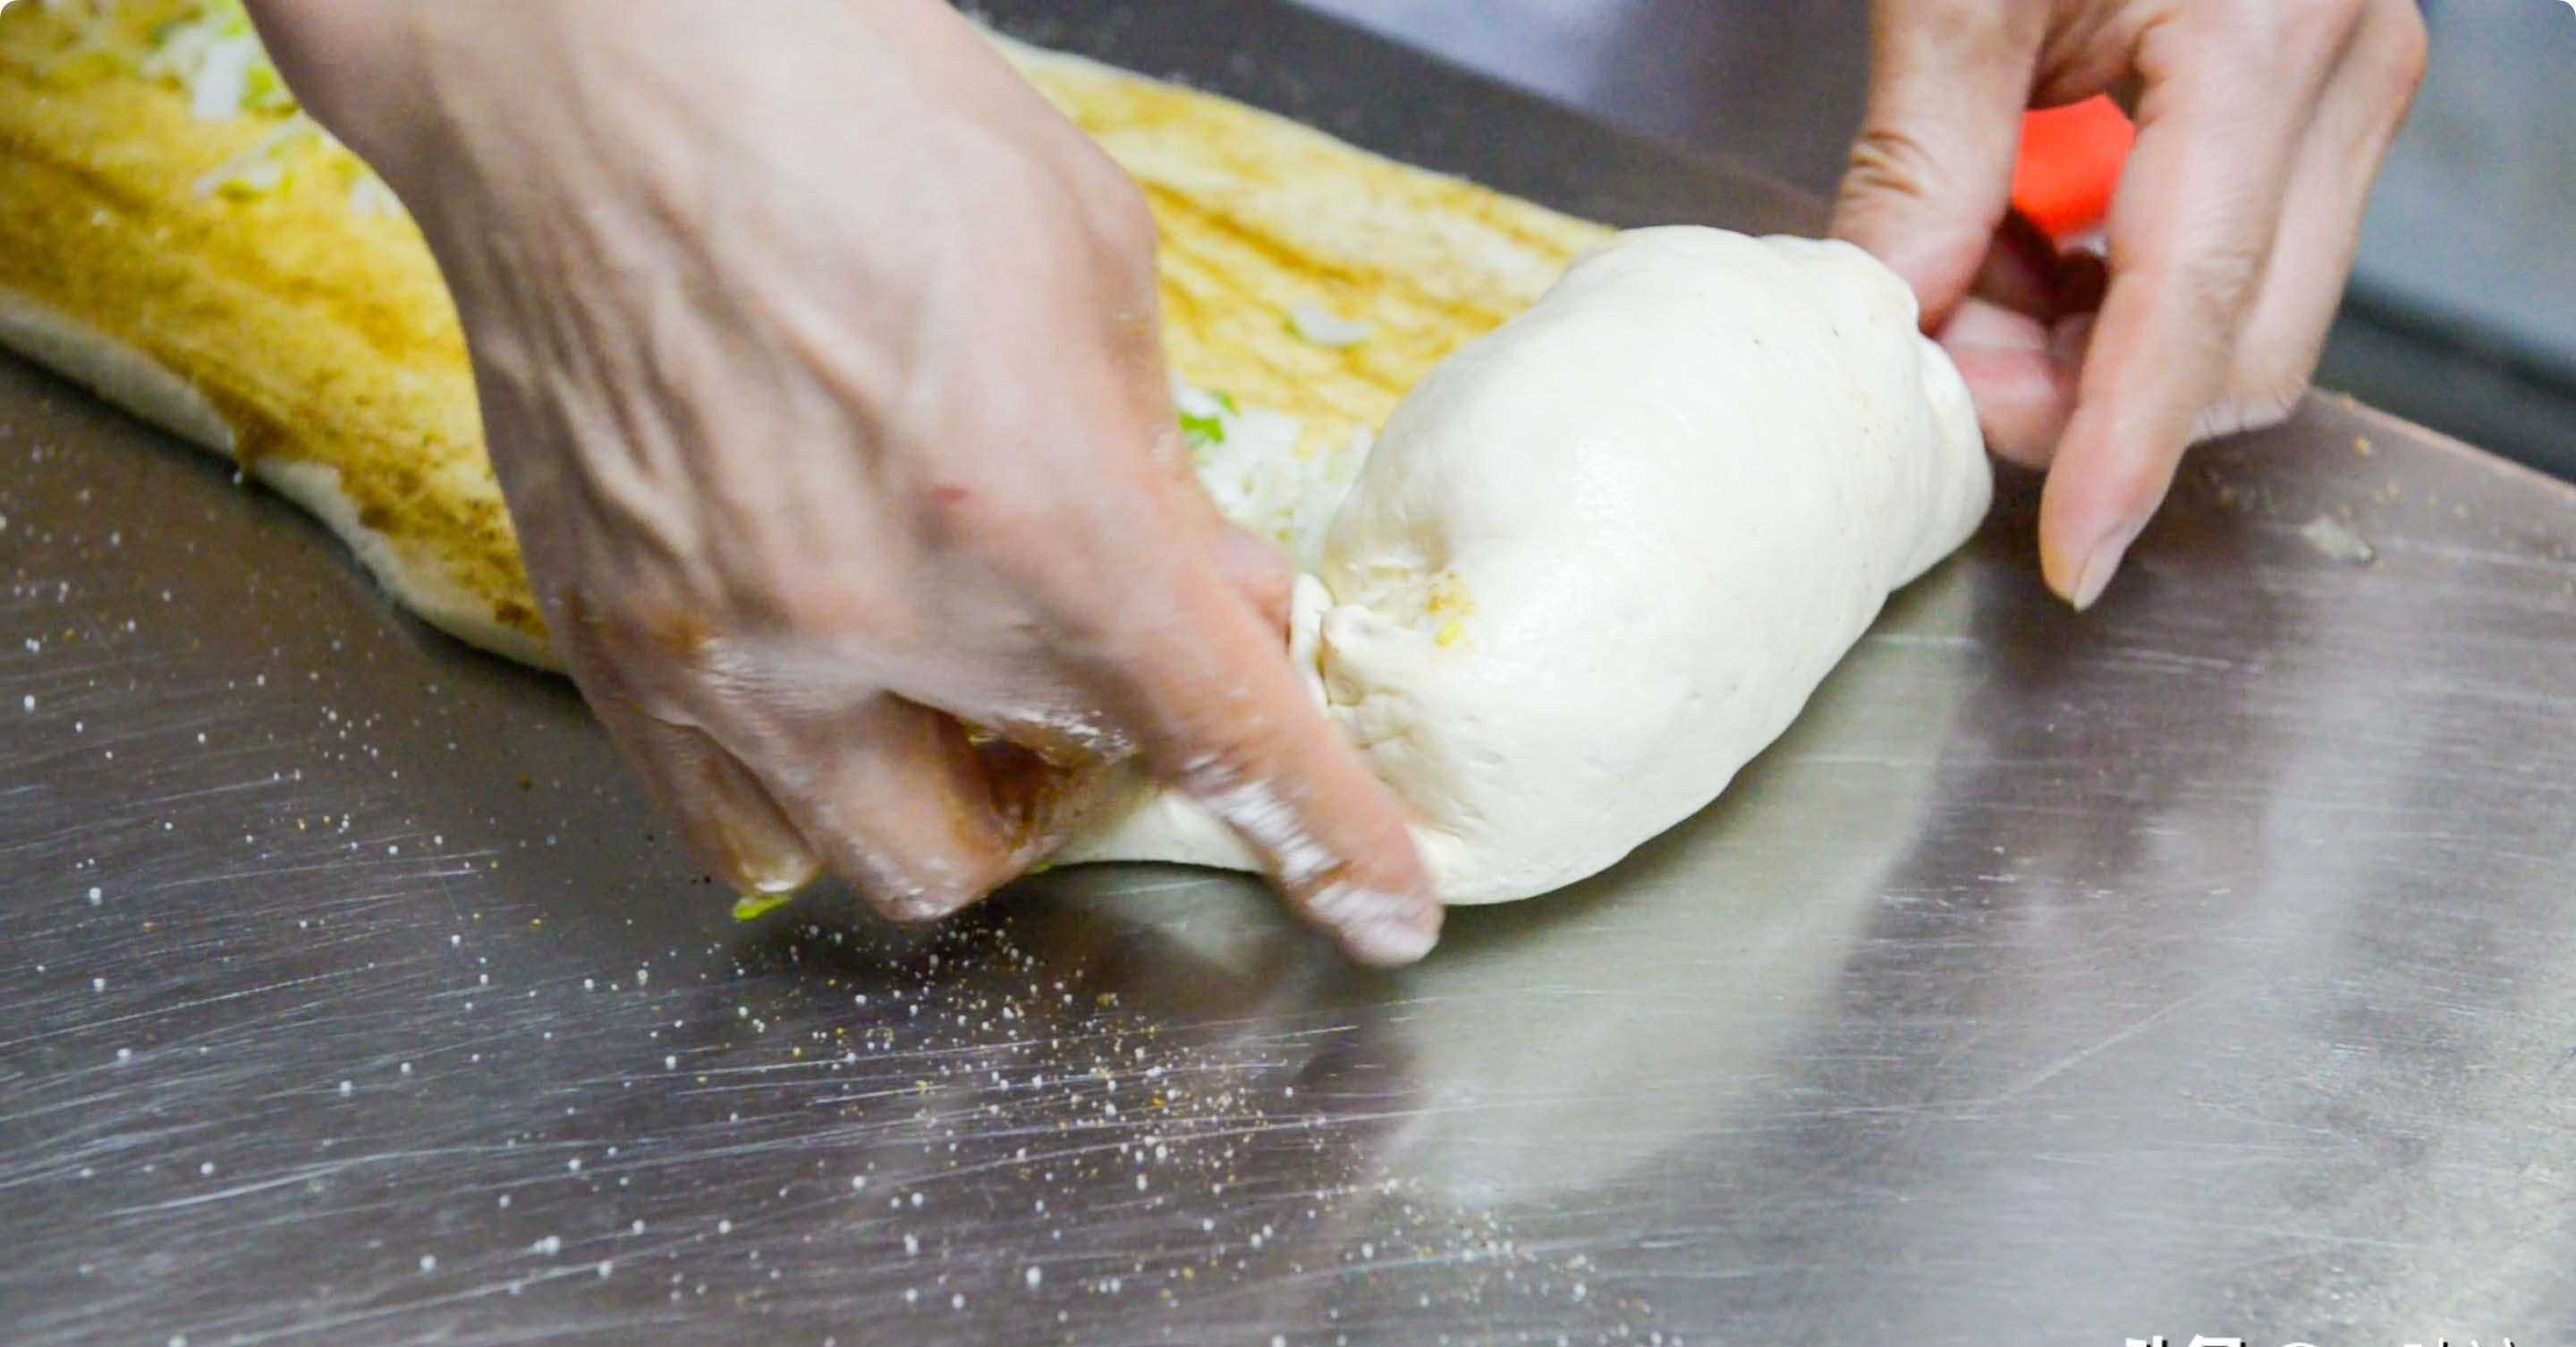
[2204, 965]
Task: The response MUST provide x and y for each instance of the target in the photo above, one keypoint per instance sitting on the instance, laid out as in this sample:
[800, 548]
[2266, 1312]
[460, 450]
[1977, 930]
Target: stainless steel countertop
[2207, 965]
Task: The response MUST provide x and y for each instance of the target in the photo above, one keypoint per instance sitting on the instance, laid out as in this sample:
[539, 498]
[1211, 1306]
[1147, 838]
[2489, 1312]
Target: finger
[2008, 342]
[898, 800]
[1279, 775]
[728, 822]
[1931, 171]
[2320, 229]
[1257, 569]
[2191, 229]
[1227, 722]
[2020, 370]
[1259, 572]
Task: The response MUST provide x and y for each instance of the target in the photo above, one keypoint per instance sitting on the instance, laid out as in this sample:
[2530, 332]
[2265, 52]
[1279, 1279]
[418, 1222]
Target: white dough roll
[1600, 558]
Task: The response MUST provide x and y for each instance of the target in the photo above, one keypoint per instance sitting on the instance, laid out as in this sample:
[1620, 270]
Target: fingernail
[921, 909]
[767, 861]
[780, 875]
[1389, 944]
[2102, 564]
[1381, 930]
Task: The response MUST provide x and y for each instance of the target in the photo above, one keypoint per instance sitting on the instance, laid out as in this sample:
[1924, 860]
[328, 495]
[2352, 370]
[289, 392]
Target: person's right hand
[819, 358]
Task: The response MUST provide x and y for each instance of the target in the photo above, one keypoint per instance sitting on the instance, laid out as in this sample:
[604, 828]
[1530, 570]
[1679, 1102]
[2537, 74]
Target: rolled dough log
[1600, 558]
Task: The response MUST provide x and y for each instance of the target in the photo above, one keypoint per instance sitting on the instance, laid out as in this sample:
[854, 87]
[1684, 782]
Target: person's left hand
[2261, 125]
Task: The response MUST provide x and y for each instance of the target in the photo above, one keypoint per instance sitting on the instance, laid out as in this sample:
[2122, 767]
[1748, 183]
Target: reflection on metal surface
[2209, 957]
[2207, 964]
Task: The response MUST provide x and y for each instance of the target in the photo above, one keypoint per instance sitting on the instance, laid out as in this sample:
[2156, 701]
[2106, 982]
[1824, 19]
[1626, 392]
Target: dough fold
[1600, 558]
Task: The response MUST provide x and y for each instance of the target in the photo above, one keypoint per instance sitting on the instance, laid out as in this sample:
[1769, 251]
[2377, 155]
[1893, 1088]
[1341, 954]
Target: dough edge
[135, 383]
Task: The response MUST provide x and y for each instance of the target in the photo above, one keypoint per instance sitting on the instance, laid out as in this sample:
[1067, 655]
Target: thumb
[1931, 171]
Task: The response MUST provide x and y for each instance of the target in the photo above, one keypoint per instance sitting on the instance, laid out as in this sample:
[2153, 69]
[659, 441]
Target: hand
[2261, 124]
[820, 363]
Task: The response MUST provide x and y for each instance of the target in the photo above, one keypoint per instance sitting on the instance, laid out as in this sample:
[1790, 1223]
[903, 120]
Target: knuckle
[1105, 200]
[1890, 160]
[2217, 283]
[1062, 198]
[1118, 214]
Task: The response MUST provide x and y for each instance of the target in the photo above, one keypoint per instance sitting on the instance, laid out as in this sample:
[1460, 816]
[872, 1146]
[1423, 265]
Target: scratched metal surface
[2207, 965]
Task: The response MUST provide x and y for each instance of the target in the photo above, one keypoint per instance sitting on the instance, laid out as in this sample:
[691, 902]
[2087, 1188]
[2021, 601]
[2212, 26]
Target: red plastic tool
[2070, 164]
